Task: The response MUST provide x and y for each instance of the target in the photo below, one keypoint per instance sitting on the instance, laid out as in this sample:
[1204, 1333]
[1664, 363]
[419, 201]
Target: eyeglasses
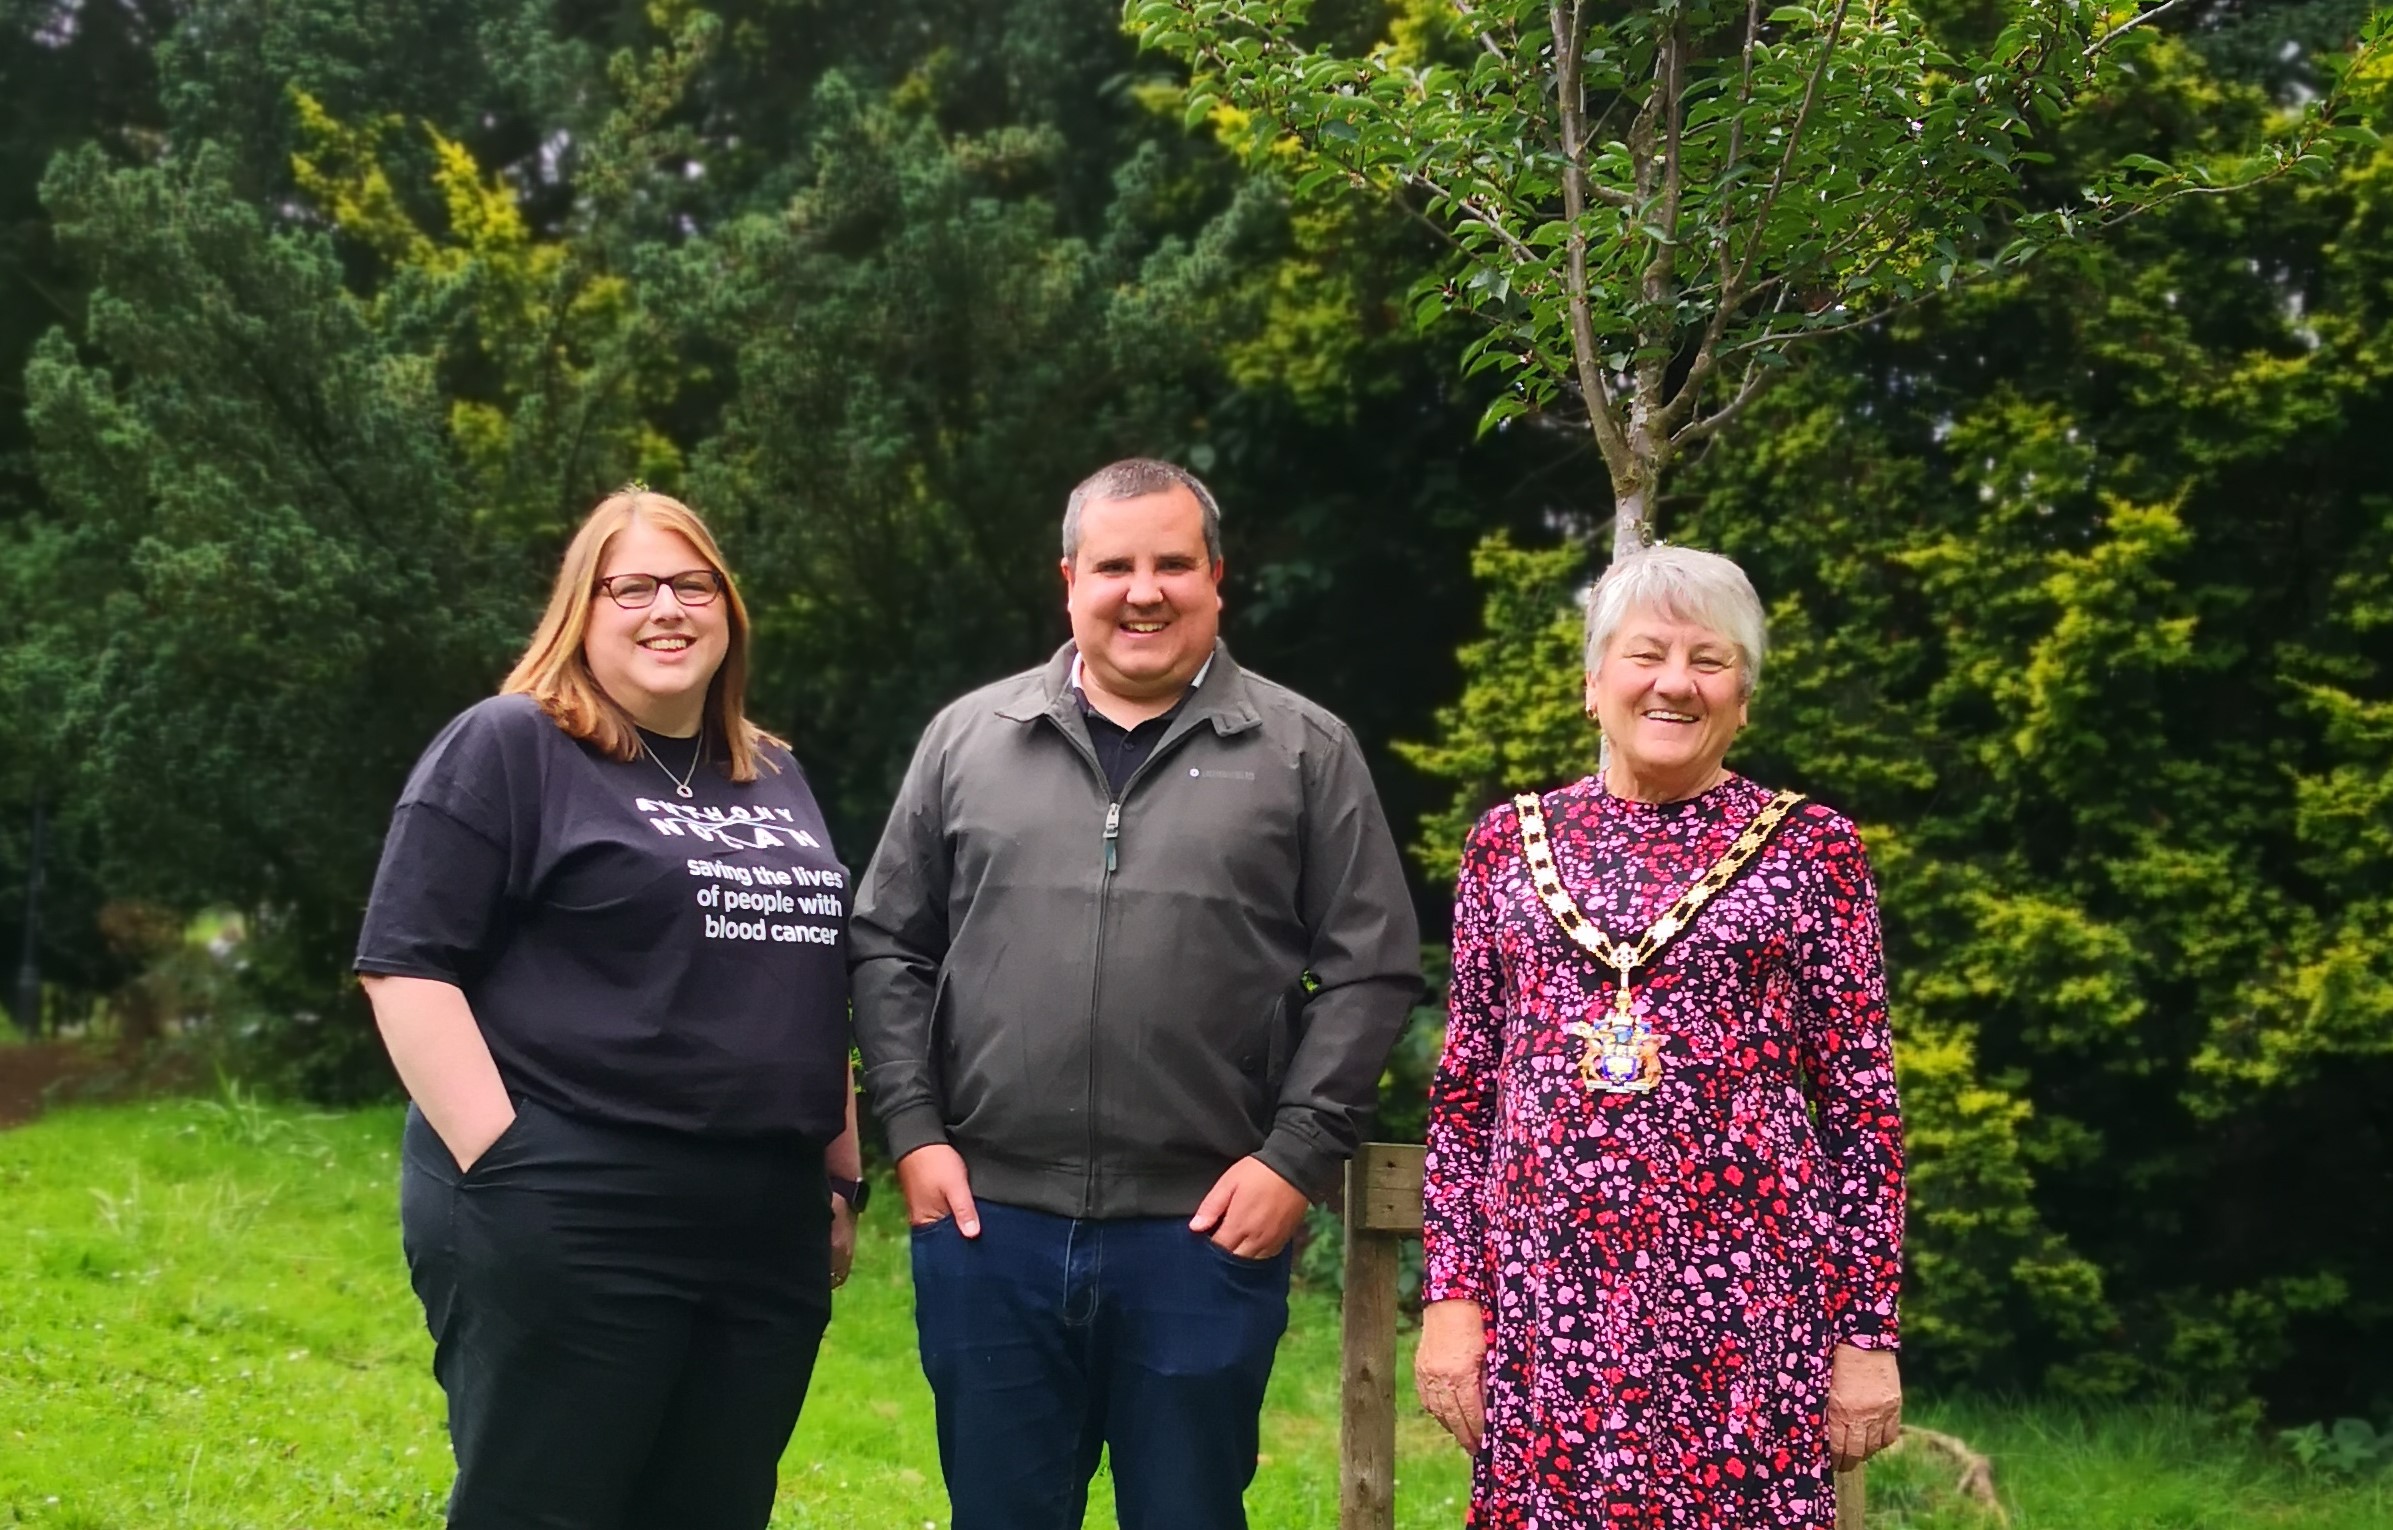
[633, 592]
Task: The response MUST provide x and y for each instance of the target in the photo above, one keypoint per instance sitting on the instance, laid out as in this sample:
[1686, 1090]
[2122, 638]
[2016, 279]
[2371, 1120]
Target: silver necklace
[681, 783]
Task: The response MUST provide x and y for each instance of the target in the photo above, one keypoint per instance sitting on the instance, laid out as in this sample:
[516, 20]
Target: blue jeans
[1047, 1338]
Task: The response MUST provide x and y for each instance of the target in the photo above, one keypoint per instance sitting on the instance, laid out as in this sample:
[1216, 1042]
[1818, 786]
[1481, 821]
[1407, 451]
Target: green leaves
[2081, 602]
[1676, 199]
[282, 553]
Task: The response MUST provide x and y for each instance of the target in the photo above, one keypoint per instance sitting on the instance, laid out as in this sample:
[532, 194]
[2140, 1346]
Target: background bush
[328, 322]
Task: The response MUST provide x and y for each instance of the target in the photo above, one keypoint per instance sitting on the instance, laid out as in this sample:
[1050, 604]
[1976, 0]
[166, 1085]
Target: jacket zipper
[1096, 980]
[1112, 839]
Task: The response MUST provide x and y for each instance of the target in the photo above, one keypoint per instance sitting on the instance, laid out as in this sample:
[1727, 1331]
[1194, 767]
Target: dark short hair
[1134, 478]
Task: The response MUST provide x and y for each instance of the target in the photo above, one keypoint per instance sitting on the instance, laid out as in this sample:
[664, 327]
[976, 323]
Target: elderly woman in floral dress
[1664, 1195]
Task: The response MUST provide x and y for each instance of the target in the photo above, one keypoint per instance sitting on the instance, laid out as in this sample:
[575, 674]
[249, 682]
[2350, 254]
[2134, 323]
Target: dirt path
[27, 1072]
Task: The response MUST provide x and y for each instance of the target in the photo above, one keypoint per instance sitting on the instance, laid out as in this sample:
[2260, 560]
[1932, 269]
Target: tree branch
[1789, 337]
[1487, 41]
[1699, 371]
[1794, 140]
[1655, 328]
[1596, 396]
[1757, 381]
[1611, 196]
[1511, 241]
[1470, 14]
[1452, 240]
[1672, 81]
[2129, 25]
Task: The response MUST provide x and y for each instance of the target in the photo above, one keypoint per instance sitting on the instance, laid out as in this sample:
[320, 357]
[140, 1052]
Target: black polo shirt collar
[1120, 750]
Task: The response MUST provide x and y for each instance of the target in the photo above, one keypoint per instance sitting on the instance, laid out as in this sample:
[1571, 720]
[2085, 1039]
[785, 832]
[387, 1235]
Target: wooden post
[1383, 1208]
[1367, 1425]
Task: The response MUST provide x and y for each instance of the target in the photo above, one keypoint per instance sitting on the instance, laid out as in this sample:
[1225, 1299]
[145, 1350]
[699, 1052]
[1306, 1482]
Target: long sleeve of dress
[1848, 1062]
[1463, 1101]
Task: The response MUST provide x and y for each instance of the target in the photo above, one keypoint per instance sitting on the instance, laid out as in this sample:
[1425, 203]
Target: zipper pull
[1113, 833]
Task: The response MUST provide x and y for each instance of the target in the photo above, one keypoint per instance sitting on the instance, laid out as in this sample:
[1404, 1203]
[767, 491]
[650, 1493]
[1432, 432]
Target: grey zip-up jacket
[1103, 1004]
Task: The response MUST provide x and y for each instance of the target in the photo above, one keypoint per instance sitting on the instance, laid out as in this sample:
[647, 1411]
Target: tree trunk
[1632, 519]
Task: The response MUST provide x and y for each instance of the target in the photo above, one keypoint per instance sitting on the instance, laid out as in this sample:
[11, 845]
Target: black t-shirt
[631, 955]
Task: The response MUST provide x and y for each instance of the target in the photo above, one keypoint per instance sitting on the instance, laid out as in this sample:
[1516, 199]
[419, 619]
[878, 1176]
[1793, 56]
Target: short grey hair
[1688, 584]
[1135, 478]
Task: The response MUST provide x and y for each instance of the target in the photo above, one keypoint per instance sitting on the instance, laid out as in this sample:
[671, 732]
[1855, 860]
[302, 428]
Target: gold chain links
[1621, 956]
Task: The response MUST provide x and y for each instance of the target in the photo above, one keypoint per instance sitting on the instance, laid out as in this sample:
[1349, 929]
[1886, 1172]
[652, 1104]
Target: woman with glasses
[607, 952]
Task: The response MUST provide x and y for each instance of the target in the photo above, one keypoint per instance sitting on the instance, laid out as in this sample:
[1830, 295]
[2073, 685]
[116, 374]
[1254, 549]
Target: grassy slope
[203, 1322]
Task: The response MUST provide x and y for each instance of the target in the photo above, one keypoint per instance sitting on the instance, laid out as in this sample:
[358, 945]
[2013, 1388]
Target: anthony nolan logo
[736, 828]
[1195, 774]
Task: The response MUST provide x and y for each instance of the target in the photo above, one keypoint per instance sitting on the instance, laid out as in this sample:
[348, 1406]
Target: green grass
[204, 1323]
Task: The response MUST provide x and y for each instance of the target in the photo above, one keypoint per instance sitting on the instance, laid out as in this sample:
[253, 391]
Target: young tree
[1653, 205]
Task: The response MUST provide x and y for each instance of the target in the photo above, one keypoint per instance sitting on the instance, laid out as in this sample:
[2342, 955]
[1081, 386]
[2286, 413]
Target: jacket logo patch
[1220, 775]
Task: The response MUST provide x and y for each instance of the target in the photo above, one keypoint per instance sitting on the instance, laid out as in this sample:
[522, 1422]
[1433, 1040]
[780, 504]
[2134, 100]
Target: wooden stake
[1367, 1422]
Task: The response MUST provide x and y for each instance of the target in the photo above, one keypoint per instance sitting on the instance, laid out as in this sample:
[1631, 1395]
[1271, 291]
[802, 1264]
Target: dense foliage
[327, 321]
[1654, 206]
[365, 313]
[2079, 604]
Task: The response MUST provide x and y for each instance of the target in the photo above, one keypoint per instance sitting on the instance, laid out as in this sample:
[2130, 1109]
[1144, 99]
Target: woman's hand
[443, 1061]
[843, 1239]
[1865, 1404]
[478, 1138]
[1449, 1367]
[844, 1158]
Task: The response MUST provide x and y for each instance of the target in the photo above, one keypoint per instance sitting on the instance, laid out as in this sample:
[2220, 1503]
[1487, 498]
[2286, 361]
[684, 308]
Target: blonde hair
[555, 673]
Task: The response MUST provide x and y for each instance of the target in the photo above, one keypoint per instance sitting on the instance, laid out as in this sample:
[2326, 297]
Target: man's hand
[933, 1181]
[843, 1239]
[1449, 1369]
[1250, 1211]
[1865, 1404]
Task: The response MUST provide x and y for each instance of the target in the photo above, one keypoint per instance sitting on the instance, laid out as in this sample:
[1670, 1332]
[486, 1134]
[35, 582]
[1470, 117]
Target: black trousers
[624, 1320]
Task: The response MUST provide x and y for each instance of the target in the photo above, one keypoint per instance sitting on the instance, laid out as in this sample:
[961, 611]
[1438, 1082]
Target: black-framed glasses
[633, 592]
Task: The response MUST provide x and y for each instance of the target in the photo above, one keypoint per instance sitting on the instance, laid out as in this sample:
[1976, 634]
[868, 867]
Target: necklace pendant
[1623, 1055]
[685, 791]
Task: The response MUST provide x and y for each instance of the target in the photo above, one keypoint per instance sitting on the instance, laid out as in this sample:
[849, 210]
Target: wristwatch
[853, 1191]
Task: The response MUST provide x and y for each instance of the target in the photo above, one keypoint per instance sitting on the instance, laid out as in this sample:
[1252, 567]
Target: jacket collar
[1222, 700]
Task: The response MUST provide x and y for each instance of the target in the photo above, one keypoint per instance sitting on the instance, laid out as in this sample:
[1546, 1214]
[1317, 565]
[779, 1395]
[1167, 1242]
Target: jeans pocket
[1239, 1261]
[504, 1149]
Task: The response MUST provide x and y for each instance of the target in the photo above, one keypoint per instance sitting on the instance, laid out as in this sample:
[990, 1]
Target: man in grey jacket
[1128, 963]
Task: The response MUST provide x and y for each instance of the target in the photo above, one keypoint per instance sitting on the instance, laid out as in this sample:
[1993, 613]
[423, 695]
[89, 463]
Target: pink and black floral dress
[1666, 1273]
